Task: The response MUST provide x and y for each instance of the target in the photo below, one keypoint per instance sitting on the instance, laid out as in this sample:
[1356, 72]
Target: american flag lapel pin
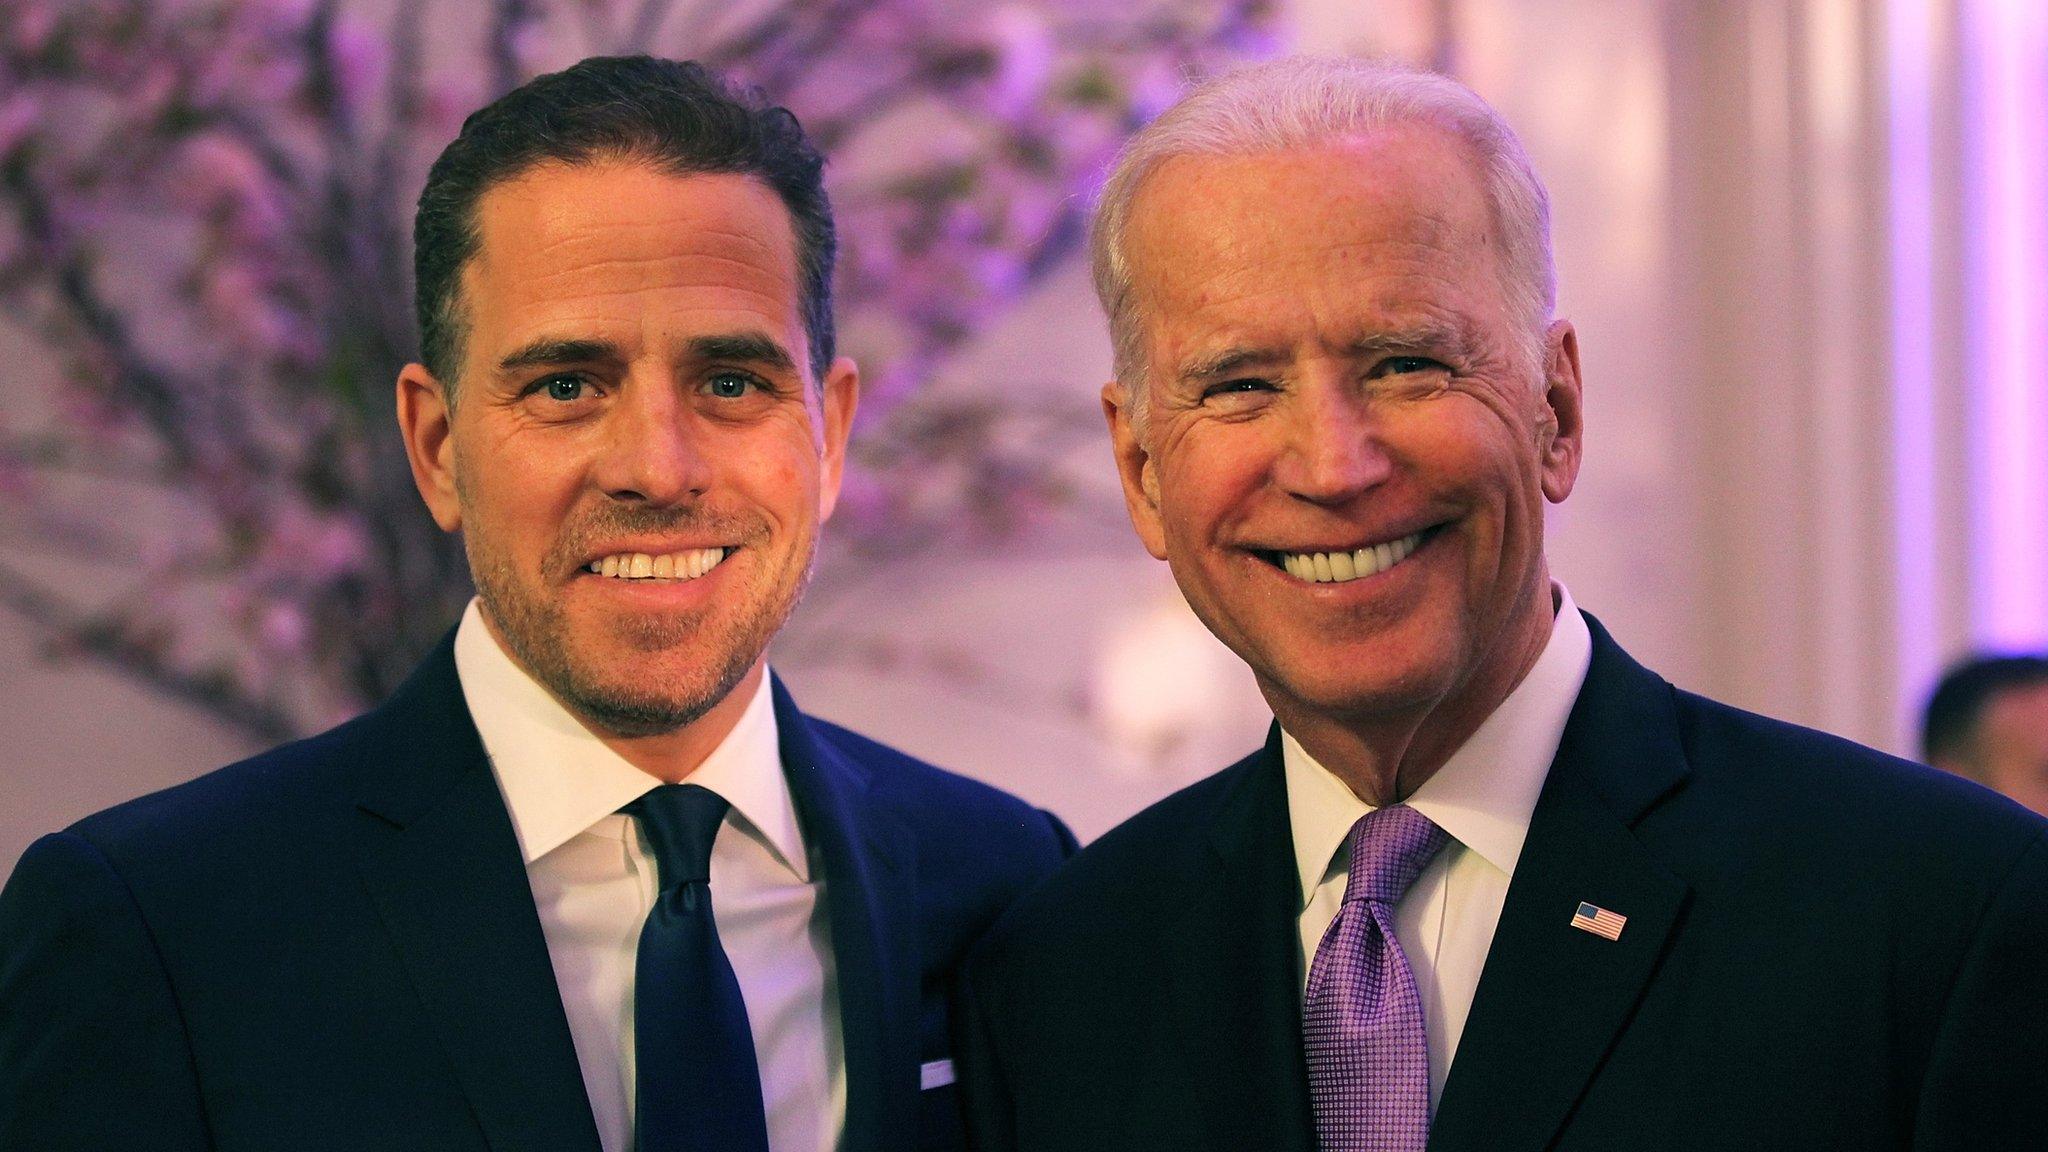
[1599, 921]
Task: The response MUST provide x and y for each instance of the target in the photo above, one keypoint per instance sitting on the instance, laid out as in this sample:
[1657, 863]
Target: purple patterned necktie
[1368, 1056]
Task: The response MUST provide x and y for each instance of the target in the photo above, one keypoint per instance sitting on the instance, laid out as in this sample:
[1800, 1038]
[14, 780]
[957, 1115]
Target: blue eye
[563, 388]
[729, 385]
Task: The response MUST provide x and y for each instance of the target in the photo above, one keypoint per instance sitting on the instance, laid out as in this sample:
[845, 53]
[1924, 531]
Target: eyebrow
[740, 347]
[551, 350]
[1453, 339]
[1227, 361]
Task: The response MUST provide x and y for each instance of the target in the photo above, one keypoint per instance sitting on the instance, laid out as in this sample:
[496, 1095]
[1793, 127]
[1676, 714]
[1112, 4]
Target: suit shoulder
[1130, 866]
[956, 819]
[1174, 820]
[915, 785]
[1863, 802]
[261, 795]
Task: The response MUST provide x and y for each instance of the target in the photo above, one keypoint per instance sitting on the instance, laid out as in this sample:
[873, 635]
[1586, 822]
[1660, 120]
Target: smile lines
[685, 565]
[1338, 567]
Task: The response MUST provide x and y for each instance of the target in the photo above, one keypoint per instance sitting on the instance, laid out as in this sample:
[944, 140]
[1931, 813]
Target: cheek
[1479, 450]
[1206, 481]
[517, 493]
[783, 470]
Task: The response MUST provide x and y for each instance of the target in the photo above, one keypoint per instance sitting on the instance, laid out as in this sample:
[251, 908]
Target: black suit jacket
[334, 945]
[1825, 948]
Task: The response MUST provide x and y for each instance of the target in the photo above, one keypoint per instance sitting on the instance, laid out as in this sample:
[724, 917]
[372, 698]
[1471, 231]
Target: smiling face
[637, 456]
[1346, 451]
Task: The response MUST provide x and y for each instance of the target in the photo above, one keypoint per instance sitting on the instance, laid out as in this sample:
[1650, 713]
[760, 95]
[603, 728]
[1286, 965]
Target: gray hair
[1303, 102]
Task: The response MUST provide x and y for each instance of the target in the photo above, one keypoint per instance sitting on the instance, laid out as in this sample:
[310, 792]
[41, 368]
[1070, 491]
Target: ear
[424, 421]
[841, 395]
[1135, 468]
[1562, 436]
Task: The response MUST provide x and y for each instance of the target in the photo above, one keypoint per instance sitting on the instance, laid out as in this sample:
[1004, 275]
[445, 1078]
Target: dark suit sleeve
[1062, 834]
[984, 1097]
[93, 1053]
[1984, 1088]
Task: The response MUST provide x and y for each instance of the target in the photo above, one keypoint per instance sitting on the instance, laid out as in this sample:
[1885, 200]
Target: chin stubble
[540, 640]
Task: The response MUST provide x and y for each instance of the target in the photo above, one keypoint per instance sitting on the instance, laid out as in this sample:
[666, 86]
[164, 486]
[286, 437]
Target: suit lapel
[1233, 969]
[1553, 998]
[443, 866]
[870, 897]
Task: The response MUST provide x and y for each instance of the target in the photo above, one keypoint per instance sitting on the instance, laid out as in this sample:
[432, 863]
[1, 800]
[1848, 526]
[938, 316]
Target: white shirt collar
[1485, 793]
[559, 780]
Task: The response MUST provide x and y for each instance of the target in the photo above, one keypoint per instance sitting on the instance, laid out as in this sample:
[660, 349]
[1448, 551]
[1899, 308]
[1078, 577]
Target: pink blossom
[214, 167]
[338, 548]
[19, 114]
[236, 298]
[1024, 59]
[952, 188]
[357, 55]
[276, 13]
[446, 104]
[35, 22]
[1155, 85]
[284, 628]
[1001, 273]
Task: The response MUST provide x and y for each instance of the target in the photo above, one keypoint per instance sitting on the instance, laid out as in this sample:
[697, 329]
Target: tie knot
[1389, 848]
[680, 821]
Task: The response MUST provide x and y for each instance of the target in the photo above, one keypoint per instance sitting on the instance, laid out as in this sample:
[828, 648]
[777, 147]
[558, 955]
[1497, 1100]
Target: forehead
[1397, 216]
[2019, 713]
[564, 244]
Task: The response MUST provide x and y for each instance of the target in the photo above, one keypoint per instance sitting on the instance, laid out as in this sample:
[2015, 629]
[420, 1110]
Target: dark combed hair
[677, 116]
[1949, 723]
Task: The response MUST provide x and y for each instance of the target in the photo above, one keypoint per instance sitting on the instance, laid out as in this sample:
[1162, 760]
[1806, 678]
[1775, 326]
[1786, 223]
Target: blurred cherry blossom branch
[205, 216]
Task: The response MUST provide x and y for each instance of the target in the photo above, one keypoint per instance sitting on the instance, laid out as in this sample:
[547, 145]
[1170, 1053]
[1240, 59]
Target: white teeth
[1337, 567]
[687, 565]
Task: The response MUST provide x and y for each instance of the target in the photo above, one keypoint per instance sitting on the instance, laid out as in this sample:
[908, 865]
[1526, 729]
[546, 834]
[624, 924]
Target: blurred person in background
[1987, 720]
[589, 880]
[1491, 884]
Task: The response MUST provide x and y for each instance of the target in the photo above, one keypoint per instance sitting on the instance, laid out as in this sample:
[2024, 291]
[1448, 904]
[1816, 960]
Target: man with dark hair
[588, 880]
[1987, 720]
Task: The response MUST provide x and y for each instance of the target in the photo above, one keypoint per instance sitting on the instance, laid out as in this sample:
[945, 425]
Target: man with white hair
[1490, 884]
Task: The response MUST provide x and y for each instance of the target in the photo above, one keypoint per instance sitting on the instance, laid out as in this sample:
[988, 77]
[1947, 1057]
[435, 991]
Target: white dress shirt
[1483, 796]
[594, 881]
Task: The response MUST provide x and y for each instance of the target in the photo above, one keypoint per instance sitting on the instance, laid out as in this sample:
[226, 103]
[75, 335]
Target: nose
[655, 449]
[1334, 451]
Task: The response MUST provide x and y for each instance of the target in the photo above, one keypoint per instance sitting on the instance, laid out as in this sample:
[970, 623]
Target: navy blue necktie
[698, 1086]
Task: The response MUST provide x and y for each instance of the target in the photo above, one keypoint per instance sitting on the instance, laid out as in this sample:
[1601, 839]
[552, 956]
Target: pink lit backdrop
[1804, 247]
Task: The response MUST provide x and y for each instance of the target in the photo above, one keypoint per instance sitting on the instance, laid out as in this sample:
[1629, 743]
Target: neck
[1384, 754]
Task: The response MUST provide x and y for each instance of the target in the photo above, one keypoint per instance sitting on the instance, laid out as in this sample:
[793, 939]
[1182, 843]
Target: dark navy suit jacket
[1826, 948]
[333, 945]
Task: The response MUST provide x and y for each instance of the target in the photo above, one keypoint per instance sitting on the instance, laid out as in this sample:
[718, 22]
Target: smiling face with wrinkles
[638, 456]
[1346, 451]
